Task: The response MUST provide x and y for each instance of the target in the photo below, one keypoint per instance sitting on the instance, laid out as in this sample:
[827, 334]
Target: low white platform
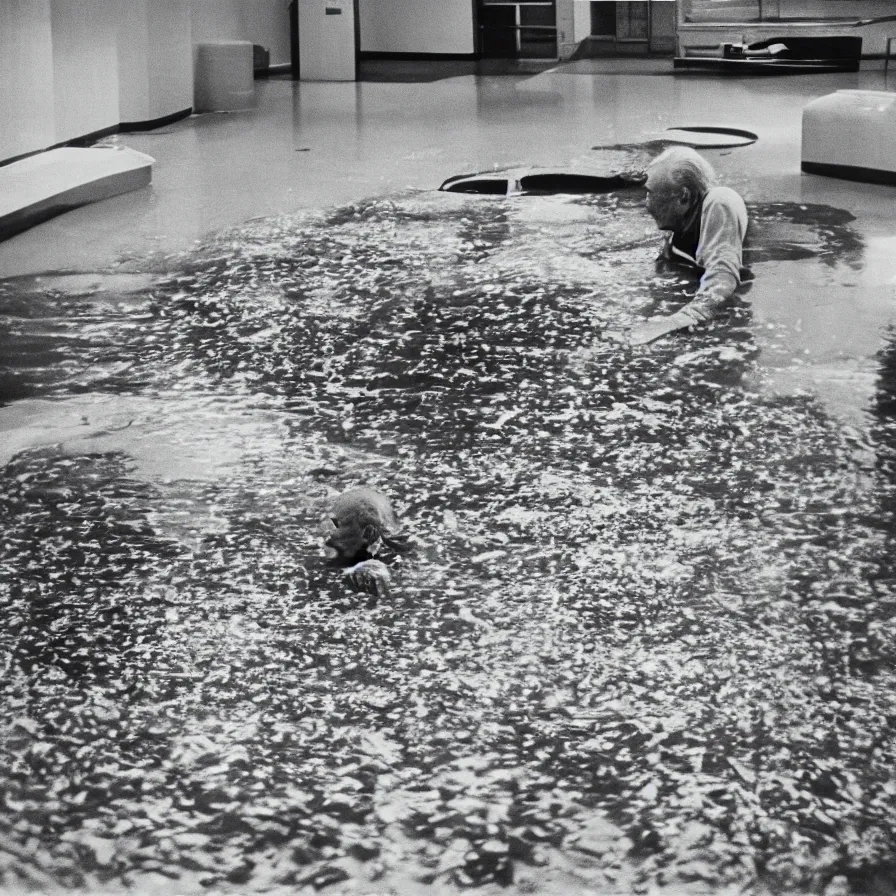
[851, 134]
[35, 189]
[224, 80]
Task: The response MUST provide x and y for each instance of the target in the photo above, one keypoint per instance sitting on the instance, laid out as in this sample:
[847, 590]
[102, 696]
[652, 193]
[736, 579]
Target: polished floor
[308, 145]
[312, 145]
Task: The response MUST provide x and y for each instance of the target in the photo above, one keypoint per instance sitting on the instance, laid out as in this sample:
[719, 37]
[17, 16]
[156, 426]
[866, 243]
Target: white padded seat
[49, 183]
[225, 78]
[851, 134]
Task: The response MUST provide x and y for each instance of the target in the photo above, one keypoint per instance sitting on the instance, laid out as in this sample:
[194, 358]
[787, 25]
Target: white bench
[36, 188]
[225, 77]
[851, 134]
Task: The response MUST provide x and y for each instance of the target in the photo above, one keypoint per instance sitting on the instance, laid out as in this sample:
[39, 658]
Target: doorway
[517, 29]
[624, 25]
[621, 27]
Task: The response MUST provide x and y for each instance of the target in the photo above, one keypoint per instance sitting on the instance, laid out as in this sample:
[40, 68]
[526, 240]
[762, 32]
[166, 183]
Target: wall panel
[170, 57]
[26, 76]
[417, 26]
[85, 66]
[133, 61]
[221, 20]
[269, 22]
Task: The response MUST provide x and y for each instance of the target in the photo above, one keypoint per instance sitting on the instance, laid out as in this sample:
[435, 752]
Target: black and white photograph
[448, 447]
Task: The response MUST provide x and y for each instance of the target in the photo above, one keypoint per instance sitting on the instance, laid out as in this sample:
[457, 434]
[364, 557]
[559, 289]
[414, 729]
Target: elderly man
[706, 226]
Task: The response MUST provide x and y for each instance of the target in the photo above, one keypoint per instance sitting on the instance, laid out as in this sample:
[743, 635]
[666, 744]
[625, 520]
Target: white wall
[417, 26]
[263, 22]
[573, 25]
[170, 67]
[133, 61]
[69, 68]
[219, 20]
[269, 22]
[155, 73]
[85, 66]
[581, 15]
[860, 9]
[26, 100]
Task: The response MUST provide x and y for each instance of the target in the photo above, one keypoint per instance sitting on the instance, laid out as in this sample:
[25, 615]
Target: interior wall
[662, 26]
[170, 59]
[155, 71]
[860, 9]
[70, 68]
[573, 25]
[85, 67]
[268, 21]
[417, 26]
[26, 101]
[219, 20]
[581, 20]
[133, 61]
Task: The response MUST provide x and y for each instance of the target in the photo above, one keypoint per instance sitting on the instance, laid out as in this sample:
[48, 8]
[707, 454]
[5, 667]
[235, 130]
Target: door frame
[477, 29]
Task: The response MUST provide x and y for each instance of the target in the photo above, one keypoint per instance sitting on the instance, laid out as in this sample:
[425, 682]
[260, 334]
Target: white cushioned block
[225, 79]
[41, 186]
[851, 134]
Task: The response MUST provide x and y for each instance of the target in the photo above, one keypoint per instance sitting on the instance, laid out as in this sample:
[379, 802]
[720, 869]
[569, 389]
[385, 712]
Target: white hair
[685, 167]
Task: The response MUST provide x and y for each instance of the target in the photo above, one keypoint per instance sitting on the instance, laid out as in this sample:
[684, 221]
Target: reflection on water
[645, 635]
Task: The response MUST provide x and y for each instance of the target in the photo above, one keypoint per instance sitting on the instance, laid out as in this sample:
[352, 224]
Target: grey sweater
[711, 239]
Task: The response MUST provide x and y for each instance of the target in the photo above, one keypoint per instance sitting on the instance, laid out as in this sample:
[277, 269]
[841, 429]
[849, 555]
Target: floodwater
[646, 635]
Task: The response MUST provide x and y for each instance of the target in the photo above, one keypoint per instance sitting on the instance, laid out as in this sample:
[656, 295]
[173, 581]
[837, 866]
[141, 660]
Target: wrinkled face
[344, 538]
[666, 204]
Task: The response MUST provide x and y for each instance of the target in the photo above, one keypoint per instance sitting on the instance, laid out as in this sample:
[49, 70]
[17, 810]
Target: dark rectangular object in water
[801, 55]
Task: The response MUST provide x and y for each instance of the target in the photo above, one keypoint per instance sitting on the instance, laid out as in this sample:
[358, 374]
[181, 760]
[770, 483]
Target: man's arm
[722, 231]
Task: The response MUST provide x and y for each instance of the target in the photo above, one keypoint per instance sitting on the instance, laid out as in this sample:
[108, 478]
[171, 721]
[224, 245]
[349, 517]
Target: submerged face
[666, 203]
[358, 518]
[345, 539]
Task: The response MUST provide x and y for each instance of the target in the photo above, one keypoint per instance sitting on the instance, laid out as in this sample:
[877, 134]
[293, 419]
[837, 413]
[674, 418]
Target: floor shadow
[412, 71]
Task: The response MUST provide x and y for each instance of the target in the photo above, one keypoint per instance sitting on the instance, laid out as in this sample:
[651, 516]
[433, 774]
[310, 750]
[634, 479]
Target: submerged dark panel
[564, 182]
[491, 186]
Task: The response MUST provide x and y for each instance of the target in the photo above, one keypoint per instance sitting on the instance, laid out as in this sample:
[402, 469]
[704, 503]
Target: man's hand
[653, 328]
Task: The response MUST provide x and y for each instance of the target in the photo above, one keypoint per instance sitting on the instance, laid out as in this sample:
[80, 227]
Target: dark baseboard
[851, 172]
[152, 123]
[91, 138]
[365, 55]
[85, 140]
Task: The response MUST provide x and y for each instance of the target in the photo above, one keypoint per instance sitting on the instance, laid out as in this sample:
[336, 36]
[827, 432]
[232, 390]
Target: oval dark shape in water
[472, 183]
[565, 182]
[543, 182]
[716, 137]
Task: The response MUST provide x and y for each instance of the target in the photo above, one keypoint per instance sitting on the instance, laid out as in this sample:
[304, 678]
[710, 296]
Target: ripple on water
[649, 607]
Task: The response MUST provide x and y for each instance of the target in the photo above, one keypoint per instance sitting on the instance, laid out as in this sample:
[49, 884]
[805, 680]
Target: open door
[623, 27]
[517, 29]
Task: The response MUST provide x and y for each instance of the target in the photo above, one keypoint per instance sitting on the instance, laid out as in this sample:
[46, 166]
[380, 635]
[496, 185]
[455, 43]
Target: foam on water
[629, 561]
